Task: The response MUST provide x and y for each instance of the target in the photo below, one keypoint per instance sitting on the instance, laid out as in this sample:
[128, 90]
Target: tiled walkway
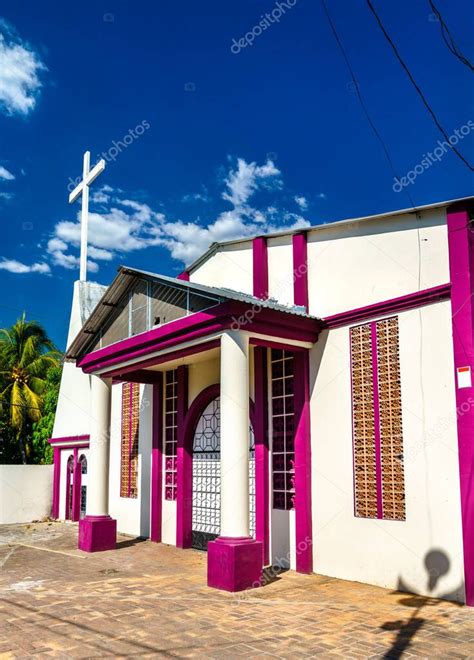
[152, 600]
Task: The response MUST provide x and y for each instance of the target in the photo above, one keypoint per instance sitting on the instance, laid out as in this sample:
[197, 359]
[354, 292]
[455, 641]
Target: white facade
[350, 265]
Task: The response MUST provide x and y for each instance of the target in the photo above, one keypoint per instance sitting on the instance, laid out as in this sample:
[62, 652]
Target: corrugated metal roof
[122, 284]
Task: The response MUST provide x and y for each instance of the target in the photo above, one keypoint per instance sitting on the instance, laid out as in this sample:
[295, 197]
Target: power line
[361, 98]
[414, 83]
[449, 39]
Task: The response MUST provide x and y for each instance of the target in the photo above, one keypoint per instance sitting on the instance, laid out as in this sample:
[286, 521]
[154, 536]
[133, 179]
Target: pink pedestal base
[234, 564]
[97, 533]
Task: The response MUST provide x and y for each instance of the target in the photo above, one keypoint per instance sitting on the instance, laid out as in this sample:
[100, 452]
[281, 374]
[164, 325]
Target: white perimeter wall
[132, 514]
[388, 553]
[26, 492]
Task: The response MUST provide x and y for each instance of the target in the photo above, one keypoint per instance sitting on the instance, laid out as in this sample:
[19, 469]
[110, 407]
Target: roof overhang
[160, 344]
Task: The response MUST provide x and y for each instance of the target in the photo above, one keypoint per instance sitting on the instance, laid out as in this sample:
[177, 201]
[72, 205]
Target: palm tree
[26, 354]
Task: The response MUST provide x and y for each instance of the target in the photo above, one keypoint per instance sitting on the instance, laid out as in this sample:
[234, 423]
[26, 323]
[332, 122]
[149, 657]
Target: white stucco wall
[230, 267]
[132, 514]
[388, 553]
[363, 263]
[26, 492]
[349, 266]
[72, 413]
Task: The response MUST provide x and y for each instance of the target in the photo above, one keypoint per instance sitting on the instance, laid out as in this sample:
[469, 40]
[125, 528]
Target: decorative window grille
[283, 429]
[129, 440]
[171, 429]
[379, 482]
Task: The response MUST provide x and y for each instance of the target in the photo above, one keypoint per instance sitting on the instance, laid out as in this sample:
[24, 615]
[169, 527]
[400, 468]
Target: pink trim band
[300, 270]
[183, 276]
[78, 440]
[392, 306]
[461, 253]
[157, 461]
[260, 267]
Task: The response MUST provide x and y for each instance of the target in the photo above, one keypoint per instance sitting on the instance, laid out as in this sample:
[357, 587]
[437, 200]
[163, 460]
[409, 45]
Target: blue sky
[219, 143]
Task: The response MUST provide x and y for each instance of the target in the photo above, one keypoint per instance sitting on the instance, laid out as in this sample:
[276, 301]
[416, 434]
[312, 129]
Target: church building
[302, 399]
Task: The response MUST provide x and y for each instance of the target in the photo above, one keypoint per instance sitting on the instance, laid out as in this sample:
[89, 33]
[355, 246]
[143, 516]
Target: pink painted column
[56, 482]
[184, 459]
[260, 267]
[157, 460]
[262, 490]
[461, 265]
[300, 270]
[76, 487]
[304, 527]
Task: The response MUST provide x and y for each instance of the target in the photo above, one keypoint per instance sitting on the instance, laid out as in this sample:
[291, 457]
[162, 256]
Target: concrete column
[97, 531]
[98, 484]
[234, 560]
[234, 435]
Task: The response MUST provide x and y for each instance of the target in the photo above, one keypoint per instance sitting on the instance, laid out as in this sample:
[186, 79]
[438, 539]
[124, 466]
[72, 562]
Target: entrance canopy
[144, 320]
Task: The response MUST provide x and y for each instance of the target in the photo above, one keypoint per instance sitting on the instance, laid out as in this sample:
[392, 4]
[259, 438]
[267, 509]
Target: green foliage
[30, 372]
[43, 428]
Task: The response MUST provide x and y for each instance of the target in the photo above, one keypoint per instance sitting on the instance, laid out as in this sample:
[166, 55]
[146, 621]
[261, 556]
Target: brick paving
[151, 600]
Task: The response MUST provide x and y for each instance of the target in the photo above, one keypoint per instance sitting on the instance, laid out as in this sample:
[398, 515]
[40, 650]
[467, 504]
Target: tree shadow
[437, 565]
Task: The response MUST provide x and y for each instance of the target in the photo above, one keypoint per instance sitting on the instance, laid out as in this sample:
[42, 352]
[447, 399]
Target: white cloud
[5, 174]
[5, 195]
[321, 196]
[301, 201]
[244, 181]
[128, 225]
[14, 266]
[20, 69]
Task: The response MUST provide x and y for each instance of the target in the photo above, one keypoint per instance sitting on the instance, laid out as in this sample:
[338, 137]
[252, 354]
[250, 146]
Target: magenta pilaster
[56, 482]
[260, 267]
[461, 254]
[260, 428]
[184, 467]
[157, 460]
[76, 488]
[300, 270]
[303, 520]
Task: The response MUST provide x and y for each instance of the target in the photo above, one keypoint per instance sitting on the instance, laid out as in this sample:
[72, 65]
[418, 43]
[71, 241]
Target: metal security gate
[206, 518]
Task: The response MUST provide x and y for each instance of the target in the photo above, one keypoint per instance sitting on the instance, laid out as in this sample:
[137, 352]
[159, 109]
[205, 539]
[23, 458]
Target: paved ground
[151, 600]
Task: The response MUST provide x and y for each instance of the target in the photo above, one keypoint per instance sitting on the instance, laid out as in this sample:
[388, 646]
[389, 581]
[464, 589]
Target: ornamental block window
[170, 436]
[379, 481]
[283, 429]
[129, 440]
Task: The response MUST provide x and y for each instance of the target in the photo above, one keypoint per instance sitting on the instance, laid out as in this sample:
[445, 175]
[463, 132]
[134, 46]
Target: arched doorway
[206, 492]
[83, 482]
[69, 486]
